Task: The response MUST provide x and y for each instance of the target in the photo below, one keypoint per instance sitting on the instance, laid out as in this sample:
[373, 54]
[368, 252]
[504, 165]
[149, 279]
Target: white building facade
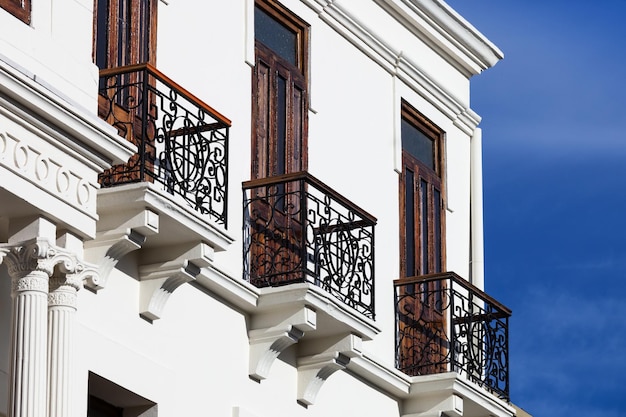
[248, 208]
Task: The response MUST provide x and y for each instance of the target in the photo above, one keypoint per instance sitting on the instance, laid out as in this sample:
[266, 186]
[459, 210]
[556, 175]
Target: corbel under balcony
[438, 395]
[334, 317]
[113, 244]
[329, 356]
[274, 332]
[451, 394]
[160, 279]
[175, 244]
[328, 334]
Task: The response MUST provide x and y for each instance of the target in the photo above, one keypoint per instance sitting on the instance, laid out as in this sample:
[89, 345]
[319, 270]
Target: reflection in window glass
[275, 36]
[409, 201]
[418, 144]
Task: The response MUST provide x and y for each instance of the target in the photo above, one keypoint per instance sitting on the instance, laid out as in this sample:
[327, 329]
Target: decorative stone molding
[120, 246]
[267, 340]
[159, 280]
[64, 298]
[112, 245]
[23, 158]
[315, 369]
[35, 266]
[31, 282]
[40, 255]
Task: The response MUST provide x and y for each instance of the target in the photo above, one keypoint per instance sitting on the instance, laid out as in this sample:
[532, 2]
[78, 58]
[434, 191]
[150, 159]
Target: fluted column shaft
[61, 312]
[28, 345]
[43, 318]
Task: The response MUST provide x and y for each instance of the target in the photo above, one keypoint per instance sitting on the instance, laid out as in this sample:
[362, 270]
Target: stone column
[28, 380]
[40, 375]
[61, 312]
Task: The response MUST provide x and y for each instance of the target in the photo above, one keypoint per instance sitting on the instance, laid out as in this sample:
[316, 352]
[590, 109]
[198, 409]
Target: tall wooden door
[425, 344]
[125, 34]
[279, 89]
[279, 142]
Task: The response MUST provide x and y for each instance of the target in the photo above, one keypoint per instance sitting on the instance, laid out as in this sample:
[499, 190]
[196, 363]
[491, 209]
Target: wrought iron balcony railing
[182, 142]
[297, 229]
[443, 324]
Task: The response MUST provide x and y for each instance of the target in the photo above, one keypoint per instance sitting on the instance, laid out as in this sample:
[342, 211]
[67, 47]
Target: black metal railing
[182, 142]
[297, 229]
[443, 324]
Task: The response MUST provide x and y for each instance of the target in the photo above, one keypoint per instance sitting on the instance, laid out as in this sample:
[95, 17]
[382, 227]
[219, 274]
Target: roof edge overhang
[444, 29]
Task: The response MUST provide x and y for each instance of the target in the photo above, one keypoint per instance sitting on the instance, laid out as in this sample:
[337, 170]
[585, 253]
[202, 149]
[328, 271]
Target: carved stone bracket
[268, 341]
[111, 246]
[315, 369]
[160, 279]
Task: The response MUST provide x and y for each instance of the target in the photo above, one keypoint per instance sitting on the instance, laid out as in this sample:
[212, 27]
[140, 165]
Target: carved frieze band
[36, 281]
[33, 165]
[63, 297]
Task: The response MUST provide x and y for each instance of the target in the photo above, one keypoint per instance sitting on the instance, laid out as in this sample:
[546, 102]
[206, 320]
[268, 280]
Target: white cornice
[445, 30]
[81, 133]
[436, 24]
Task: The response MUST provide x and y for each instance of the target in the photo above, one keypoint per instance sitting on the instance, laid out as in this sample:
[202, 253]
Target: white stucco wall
[55, 49]
[195, 359]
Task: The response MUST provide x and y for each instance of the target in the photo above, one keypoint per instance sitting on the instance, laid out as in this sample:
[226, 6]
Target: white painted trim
[249, 33]
[235, 292]
[393, 61]
[384, 377]
[446, 31]
[477, 267]
[397, 123]
[57, 114]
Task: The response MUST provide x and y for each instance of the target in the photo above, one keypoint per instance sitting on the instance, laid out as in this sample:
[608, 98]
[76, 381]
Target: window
[279, 91]
[107, 399]
[18, 8]
[421, 211]
[124, 32]
[279, 140]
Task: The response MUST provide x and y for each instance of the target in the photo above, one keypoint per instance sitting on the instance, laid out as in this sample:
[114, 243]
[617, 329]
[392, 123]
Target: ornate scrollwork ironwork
[443, 324]
[182, 143]
[296, 229]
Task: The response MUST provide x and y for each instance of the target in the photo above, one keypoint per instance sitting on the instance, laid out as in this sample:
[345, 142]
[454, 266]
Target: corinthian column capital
[39, 254]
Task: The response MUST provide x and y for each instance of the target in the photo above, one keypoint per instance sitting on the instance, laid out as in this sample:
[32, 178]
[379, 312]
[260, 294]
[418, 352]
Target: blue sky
[554, 133]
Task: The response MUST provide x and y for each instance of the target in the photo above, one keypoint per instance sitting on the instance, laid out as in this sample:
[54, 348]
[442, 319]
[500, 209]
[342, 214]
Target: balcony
[445, 324]
[298, 230]
[182, 142]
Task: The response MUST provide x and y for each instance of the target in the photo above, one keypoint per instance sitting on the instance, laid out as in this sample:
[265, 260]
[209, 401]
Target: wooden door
[279, 144]
[425, 345]
[125, 34]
